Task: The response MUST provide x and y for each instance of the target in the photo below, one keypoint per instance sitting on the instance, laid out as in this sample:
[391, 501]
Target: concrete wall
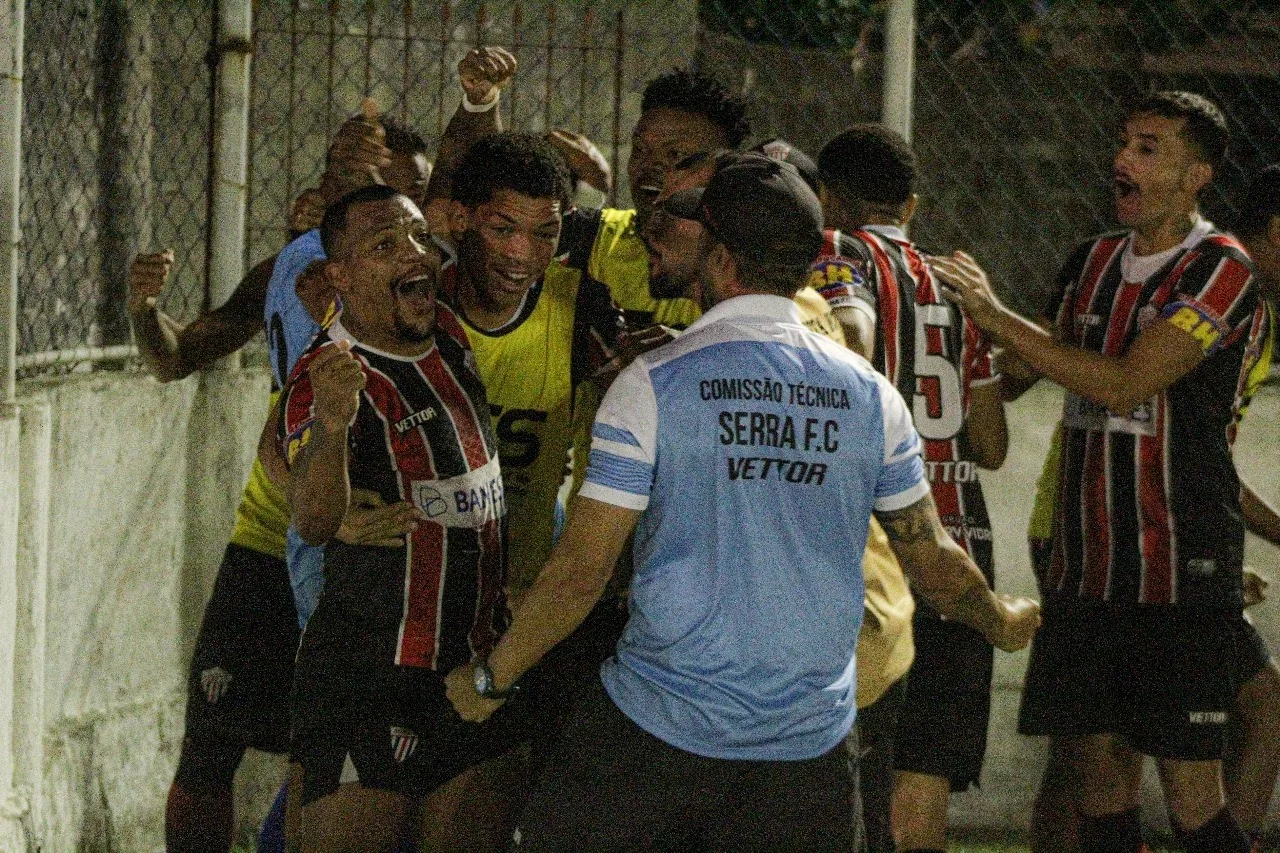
[127, 490]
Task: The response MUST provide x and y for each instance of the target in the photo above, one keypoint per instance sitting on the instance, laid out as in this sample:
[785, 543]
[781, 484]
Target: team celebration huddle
[583, 529]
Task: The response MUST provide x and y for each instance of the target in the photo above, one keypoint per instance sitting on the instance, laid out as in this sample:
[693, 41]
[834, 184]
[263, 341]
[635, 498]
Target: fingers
[369, 109]
[385, 524]
[307, 211]
[484, 71]
[496, 63]
[147, 275]
[366, 499]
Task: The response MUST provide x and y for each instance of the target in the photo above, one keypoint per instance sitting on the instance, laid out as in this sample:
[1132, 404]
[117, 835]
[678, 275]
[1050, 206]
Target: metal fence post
[11, 18]
[231, 152]
[899, 66]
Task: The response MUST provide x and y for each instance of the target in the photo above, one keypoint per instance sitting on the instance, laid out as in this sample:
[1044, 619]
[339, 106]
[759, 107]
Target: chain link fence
[1016, 107]
[115, 135]
[1017, 104]
[582, 65]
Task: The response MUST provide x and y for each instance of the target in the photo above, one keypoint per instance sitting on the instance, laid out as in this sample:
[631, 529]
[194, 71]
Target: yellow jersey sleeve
[263, 514]
[618, 258]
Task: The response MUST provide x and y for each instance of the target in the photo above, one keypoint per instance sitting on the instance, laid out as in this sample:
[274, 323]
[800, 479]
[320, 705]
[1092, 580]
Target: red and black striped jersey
[932, 353]
[422, 434]
[1148, 508]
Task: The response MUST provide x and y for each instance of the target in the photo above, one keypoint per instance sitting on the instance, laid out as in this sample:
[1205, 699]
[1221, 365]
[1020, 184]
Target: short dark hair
[335, 215]
[778, 279]
[1261, 203]
[701, 94]
[520, 162]
[1205, 127]
[869, 162]
[403, 139]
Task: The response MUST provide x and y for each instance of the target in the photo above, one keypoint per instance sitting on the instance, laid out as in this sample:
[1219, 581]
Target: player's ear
[336, 275]
[459, 219]
[909, 208]
[1198, 176]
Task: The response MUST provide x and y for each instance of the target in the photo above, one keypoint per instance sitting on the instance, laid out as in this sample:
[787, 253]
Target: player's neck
[1164, 234]
[484, 310]
[387, 342]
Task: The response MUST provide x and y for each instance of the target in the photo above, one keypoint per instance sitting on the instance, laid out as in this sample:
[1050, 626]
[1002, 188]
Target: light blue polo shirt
[757, 451]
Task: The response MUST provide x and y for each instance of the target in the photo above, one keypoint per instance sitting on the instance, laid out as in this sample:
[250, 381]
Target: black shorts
[385, 726]
[242, 666]
[942, 725]
[611, 786]
[1251, 652]
[548, 690]
[1041, 551]
[1154, 676]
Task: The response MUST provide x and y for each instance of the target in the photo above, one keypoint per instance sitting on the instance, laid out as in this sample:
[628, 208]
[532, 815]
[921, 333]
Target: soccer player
[537, 328]
[741, 638]
[1159, 328]
[894, 310]
[243, 660]
[388, 399]
[682, 113]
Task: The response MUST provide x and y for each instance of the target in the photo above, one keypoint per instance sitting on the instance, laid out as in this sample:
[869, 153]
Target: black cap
[758, 207]
[783, 151]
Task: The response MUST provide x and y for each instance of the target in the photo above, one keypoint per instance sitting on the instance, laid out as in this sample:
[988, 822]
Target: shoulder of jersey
[304, 361]
[1221, 243]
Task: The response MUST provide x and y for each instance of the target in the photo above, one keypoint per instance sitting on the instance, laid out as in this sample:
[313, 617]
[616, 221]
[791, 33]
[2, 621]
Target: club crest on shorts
[214, 681]
[403, 743]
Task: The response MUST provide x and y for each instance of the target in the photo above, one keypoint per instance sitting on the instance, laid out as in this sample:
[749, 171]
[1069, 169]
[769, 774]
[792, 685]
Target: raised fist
[484, 72]
[147, 276]
[337, 380]
[357, 154]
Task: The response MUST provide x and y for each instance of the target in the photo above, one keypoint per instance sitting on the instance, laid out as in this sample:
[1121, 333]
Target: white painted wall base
[126, 493]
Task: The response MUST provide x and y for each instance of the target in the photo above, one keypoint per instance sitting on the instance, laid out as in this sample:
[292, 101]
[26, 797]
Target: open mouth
[420, 286]
[1124, 186]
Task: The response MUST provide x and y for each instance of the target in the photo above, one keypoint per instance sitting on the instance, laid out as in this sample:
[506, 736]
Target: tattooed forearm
[976, 607]
[319, 488]
[912, 524]
[939, 569]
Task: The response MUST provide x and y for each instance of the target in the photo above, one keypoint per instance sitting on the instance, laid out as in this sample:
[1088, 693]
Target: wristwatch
[483, 679]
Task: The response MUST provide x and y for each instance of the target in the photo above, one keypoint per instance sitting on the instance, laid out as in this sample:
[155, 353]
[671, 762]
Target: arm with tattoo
[942, 572]
[319, 486]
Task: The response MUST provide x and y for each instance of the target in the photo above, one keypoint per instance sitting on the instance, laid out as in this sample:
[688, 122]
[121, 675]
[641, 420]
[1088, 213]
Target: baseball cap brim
[686, 204]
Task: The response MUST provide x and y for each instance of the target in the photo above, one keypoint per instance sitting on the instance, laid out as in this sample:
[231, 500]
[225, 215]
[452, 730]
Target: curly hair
[403, 139]
[701, 94]
[869, 162]
[520, 162]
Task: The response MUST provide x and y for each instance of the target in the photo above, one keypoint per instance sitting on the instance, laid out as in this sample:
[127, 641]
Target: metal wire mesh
[1017, 102]
[582, 66]
[114, 132]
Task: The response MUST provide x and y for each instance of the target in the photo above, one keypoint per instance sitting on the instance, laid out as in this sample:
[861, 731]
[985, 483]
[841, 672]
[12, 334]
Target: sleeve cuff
[902, 500]
[615, 497]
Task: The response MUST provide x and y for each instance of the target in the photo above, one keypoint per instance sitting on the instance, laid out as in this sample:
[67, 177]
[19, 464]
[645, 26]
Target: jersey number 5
[937, 406]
